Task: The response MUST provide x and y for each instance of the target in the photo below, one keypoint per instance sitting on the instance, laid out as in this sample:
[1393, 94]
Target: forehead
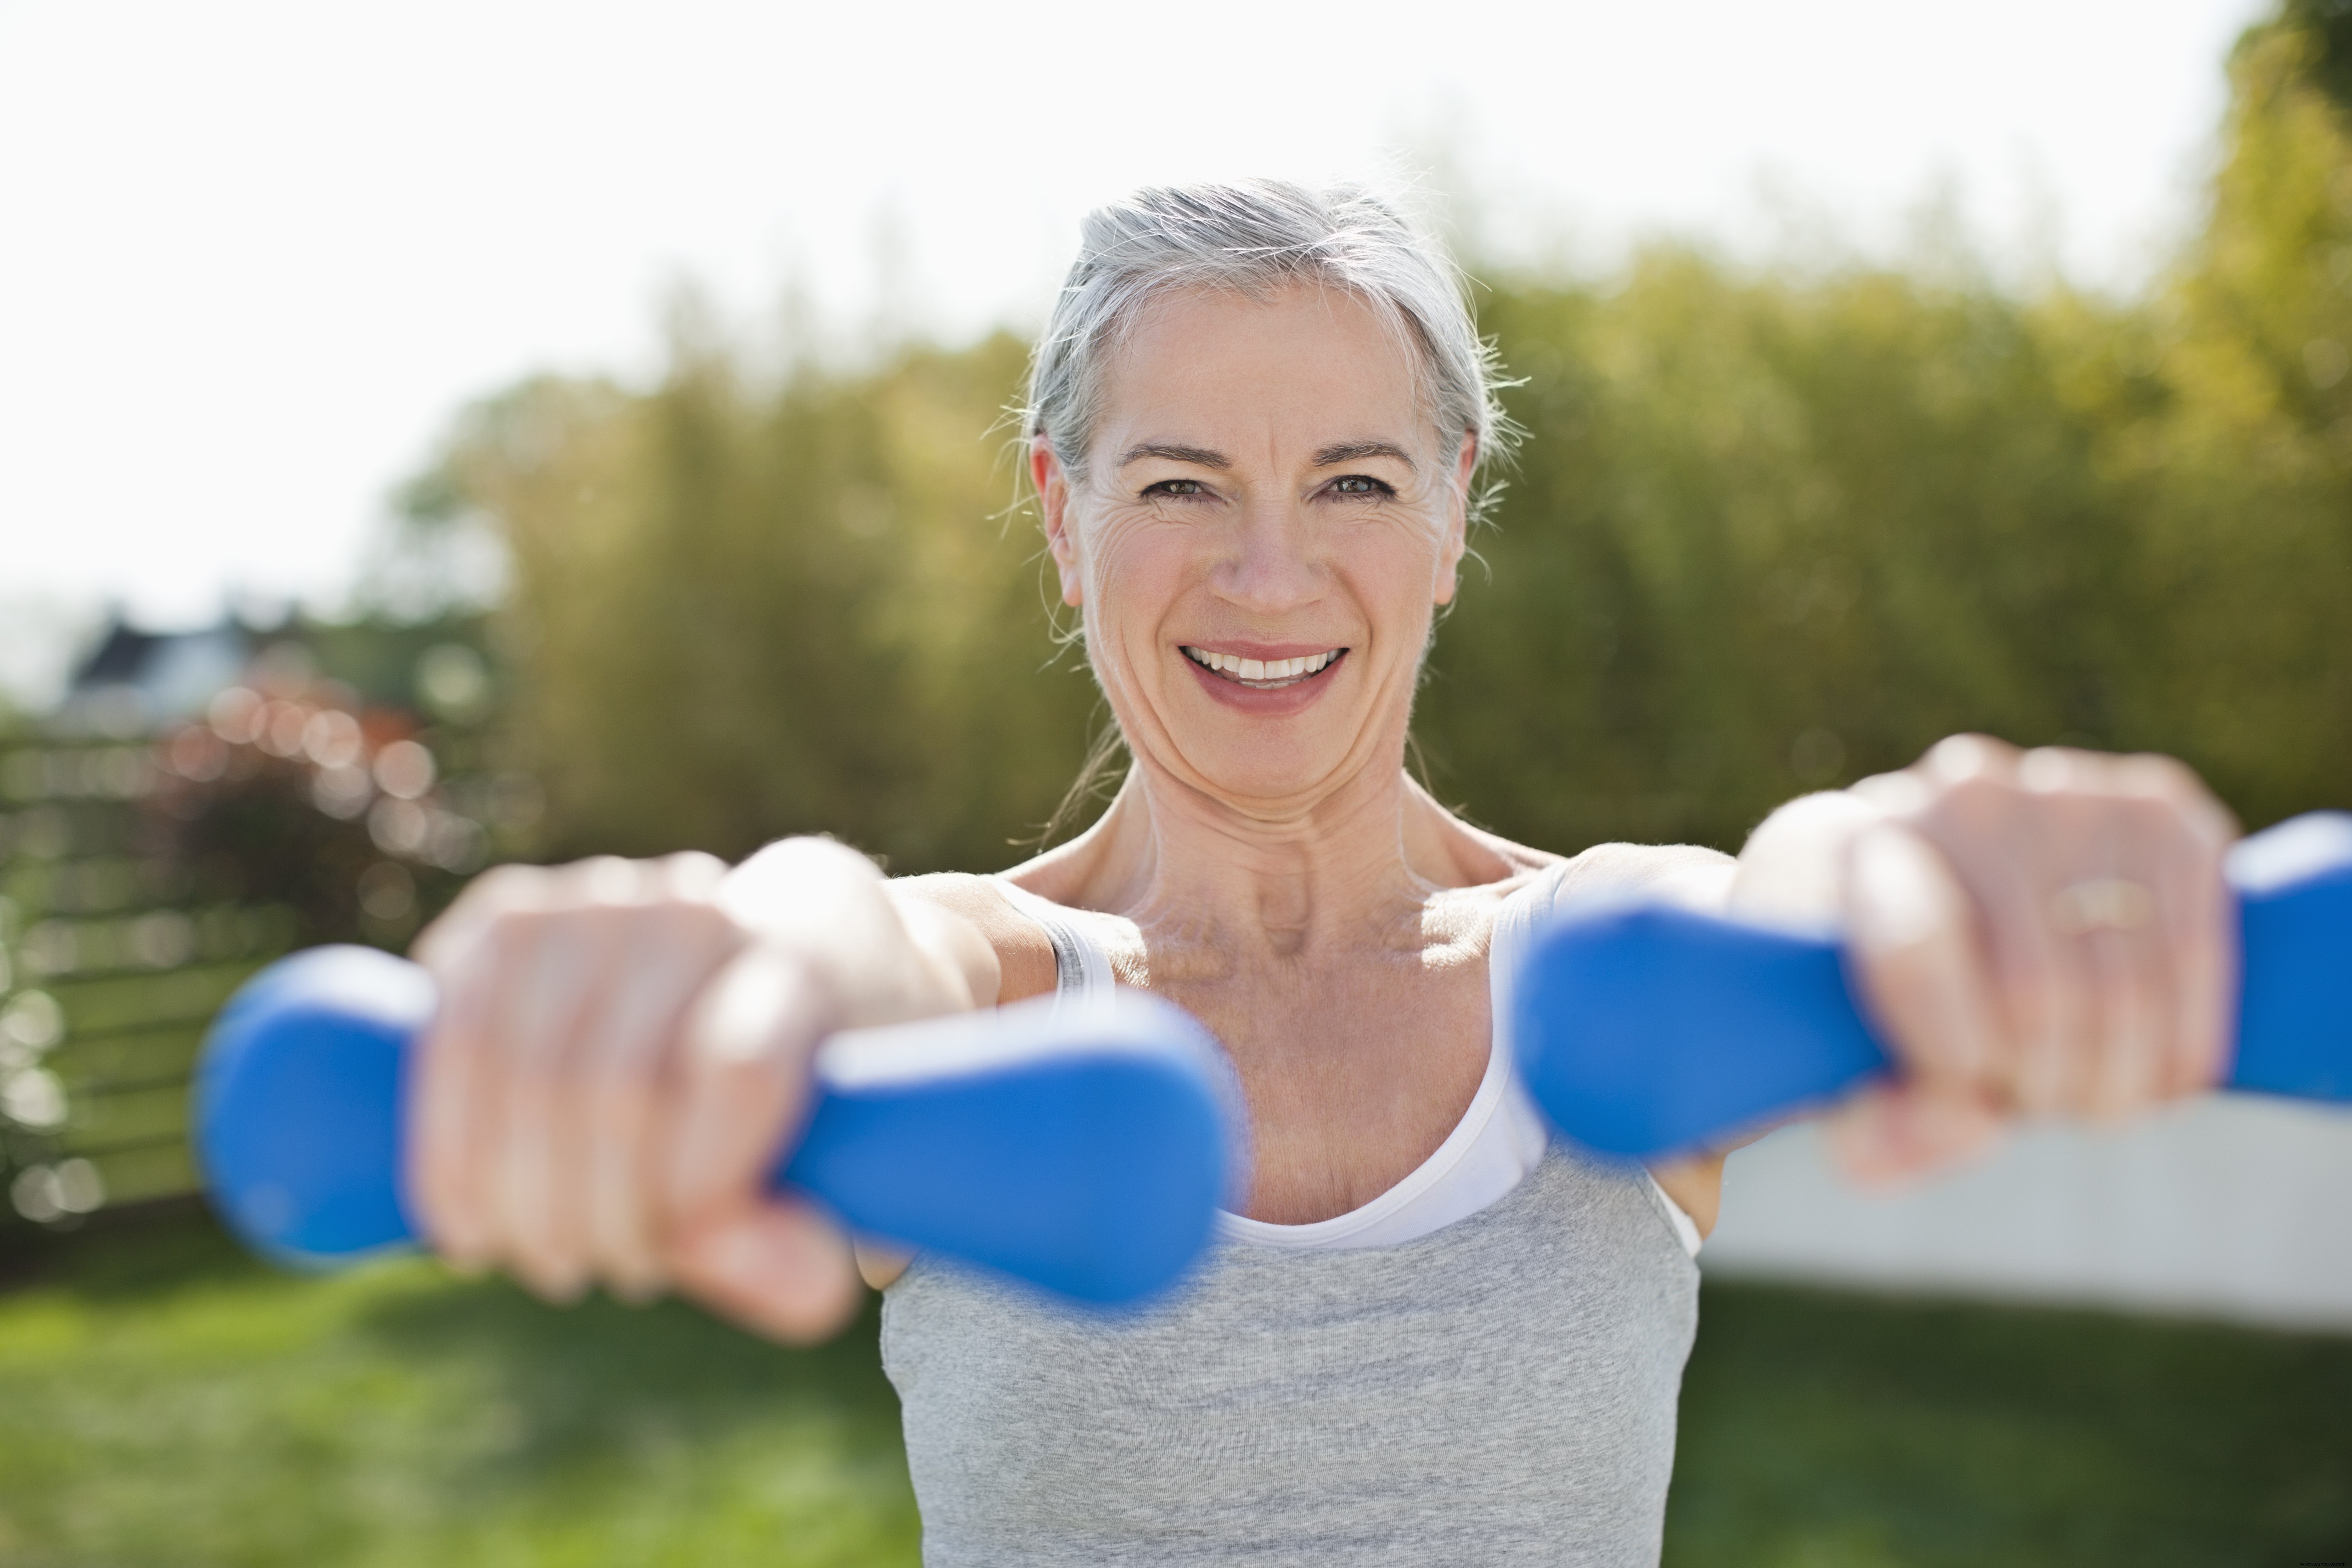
[1305, 365]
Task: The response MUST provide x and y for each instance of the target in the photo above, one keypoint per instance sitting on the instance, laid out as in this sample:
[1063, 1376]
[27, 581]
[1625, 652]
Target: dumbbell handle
[1083, 1148]
[1645, 1030]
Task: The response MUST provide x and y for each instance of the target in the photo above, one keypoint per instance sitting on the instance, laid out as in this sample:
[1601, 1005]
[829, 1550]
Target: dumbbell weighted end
[1083, 1148]
[1645, 1030]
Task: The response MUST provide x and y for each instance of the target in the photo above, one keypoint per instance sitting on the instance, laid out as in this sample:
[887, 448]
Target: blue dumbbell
[1084, 1149]
[1644, 1030]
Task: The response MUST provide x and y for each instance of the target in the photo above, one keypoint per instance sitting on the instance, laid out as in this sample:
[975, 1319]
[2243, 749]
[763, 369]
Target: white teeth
[1263, 670]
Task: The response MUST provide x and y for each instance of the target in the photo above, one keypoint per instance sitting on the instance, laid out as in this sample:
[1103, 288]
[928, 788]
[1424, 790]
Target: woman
[1258, 419]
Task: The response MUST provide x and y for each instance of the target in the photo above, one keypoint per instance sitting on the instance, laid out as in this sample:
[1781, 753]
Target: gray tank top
[1499, 1391]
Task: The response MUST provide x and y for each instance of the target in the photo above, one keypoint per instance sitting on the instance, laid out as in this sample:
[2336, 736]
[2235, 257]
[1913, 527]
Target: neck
[1351, 867]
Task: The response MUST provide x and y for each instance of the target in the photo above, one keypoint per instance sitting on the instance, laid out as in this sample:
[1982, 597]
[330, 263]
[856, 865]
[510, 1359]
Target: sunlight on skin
[1264, 481]
[1277, 545]
[1265, 486]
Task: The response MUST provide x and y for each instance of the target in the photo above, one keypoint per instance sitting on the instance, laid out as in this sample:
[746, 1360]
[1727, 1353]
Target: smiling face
[1266, 522]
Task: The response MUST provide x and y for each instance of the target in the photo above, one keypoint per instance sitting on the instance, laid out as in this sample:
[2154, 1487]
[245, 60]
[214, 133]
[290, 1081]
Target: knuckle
[1973, 806]
[2062, 771]
[599, 879]
[691, 874]
[509, 887]
[2155, 774]
[1966, 756]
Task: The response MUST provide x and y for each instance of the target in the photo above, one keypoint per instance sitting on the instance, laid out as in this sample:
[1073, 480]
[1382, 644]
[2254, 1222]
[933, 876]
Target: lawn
[163, 1401]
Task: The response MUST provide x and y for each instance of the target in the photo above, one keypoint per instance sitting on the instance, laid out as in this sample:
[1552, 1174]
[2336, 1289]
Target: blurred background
[515, 431]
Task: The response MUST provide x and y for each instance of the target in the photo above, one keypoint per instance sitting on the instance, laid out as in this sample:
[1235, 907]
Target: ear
[1053, 511]
[1457, 521]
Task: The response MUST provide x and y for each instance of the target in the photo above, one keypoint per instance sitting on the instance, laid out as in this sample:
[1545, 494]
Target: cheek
[1136, 570]
[1402, 568]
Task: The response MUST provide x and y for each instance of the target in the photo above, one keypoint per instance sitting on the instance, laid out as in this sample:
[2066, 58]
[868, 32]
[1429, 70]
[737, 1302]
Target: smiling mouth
[1264, 674]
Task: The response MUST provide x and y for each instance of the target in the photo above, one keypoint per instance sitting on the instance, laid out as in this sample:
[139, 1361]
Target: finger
[502, 890]
[2200, 929]
[2198, 924]
[2046, 977]
[538, 1019]
[1917, 957]
[1894, 1133]
[451, 1113]
[2128, 1035]
[777, 1267]
[744, 1081]
[690, 876]
[674, 956]
[451, 1107]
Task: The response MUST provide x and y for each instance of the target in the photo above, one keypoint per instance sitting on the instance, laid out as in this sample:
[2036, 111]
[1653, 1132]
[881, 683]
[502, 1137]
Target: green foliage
[742, 610]
[1768, 534]
[1773, 530]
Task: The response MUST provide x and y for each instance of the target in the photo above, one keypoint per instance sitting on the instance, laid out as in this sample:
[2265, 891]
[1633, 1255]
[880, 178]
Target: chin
[1265, 771]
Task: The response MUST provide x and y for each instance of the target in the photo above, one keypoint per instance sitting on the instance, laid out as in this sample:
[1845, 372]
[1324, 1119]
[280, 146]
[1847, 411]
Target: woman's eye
[1175, 487]
[1361, 484]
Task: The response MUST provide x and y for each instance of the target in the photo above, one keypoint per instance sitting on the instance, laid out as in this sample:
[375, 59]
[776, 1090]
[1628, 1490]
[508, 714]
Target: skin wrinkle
[1269, 865]
[1406, 335]
[1273, 877]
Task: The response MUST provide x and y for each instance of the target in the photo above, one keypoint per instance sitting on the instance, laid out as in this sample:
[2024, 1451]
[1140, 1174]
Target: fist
[617, 1062]
[2035, 933]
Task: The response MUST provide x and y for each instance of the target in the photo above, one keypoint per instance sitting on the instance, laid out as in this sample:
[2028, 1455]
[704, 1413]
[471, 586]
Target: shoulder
[1023, 950]
[1680, 873]
[1496, 865]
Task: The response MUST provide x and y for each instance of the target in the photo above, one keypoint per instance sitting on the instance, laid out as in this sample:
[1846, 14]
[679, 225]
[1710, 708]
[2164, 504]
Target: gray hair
[1255, 237]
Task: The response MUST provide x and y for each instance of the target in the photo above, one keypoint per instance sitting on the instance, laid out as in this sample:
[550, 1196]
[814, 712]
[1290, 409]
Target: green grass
[1835, 1431]
[163, 1401]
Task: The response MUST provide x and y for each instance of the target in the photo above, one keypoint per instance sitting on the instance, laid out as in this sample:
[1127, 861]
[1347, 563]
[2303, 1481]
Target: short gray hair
[1255, 237]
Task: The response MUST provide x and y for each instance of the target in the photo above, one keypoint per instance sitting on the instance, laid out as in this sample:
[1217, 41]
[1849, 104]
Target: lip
[1265, 650]
[1281, 702]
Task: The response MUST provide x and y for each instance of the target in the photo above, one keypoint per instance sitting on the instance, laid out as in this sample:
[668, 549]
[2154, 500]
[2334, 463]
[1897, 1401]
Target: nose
[1273, 562]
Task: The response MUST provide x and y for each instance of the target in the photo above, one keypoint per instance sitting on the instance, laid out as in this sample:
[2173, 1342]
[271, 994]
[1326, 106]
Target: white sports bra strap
[1081, 964]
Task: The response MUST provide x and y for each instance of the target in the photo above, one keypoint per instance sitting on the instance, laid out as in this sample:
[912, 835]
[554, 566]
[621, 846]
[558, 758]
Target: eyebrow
[1356, 451]
[1328, 458]
[1199, 455]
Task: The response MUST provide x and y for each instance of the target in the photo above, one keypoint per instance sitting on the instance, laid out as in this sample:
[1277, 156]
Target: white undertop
[1500, 1139]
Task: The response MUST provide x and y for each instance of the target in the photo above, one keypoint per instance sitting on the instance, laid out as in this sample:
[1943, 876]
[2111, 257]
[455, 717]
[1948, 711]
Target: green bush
[1774, 529]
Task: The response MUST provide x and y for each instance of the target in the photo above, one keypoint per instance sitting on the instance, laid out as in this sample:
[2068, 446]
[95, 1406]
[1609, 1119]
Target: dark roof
[119, 659]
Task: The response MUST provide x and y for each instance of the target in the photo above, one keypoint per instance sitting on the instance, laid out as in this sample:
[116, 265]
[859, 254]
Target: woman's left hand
[2035, 933]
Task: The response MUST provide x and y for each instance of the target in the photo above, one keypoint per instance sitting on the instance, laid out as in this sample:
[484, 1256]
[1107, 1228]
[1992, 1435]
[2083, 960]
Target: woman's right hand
[623, 1048]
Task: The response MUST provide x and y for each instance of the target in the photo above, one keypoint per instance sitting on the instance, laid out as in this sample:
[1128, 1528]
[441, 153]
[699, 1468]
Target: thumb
[777, 1266]
[1892, 1134]
[743, 1087]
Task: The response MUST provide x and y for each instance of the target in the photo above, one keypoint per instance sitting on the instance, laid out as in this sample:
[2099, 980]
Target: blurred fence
[114, 964]
[143, 876]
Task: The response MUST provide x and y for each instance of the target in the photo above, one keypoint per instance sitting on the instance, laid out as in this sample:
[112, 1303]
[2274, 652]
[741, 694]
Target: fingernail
[636, 1290]
[557, 1287]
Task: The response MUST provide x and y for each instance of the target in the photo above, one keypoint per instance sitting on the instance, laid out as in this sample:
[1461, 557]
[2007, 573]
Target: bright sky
[252, 256]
